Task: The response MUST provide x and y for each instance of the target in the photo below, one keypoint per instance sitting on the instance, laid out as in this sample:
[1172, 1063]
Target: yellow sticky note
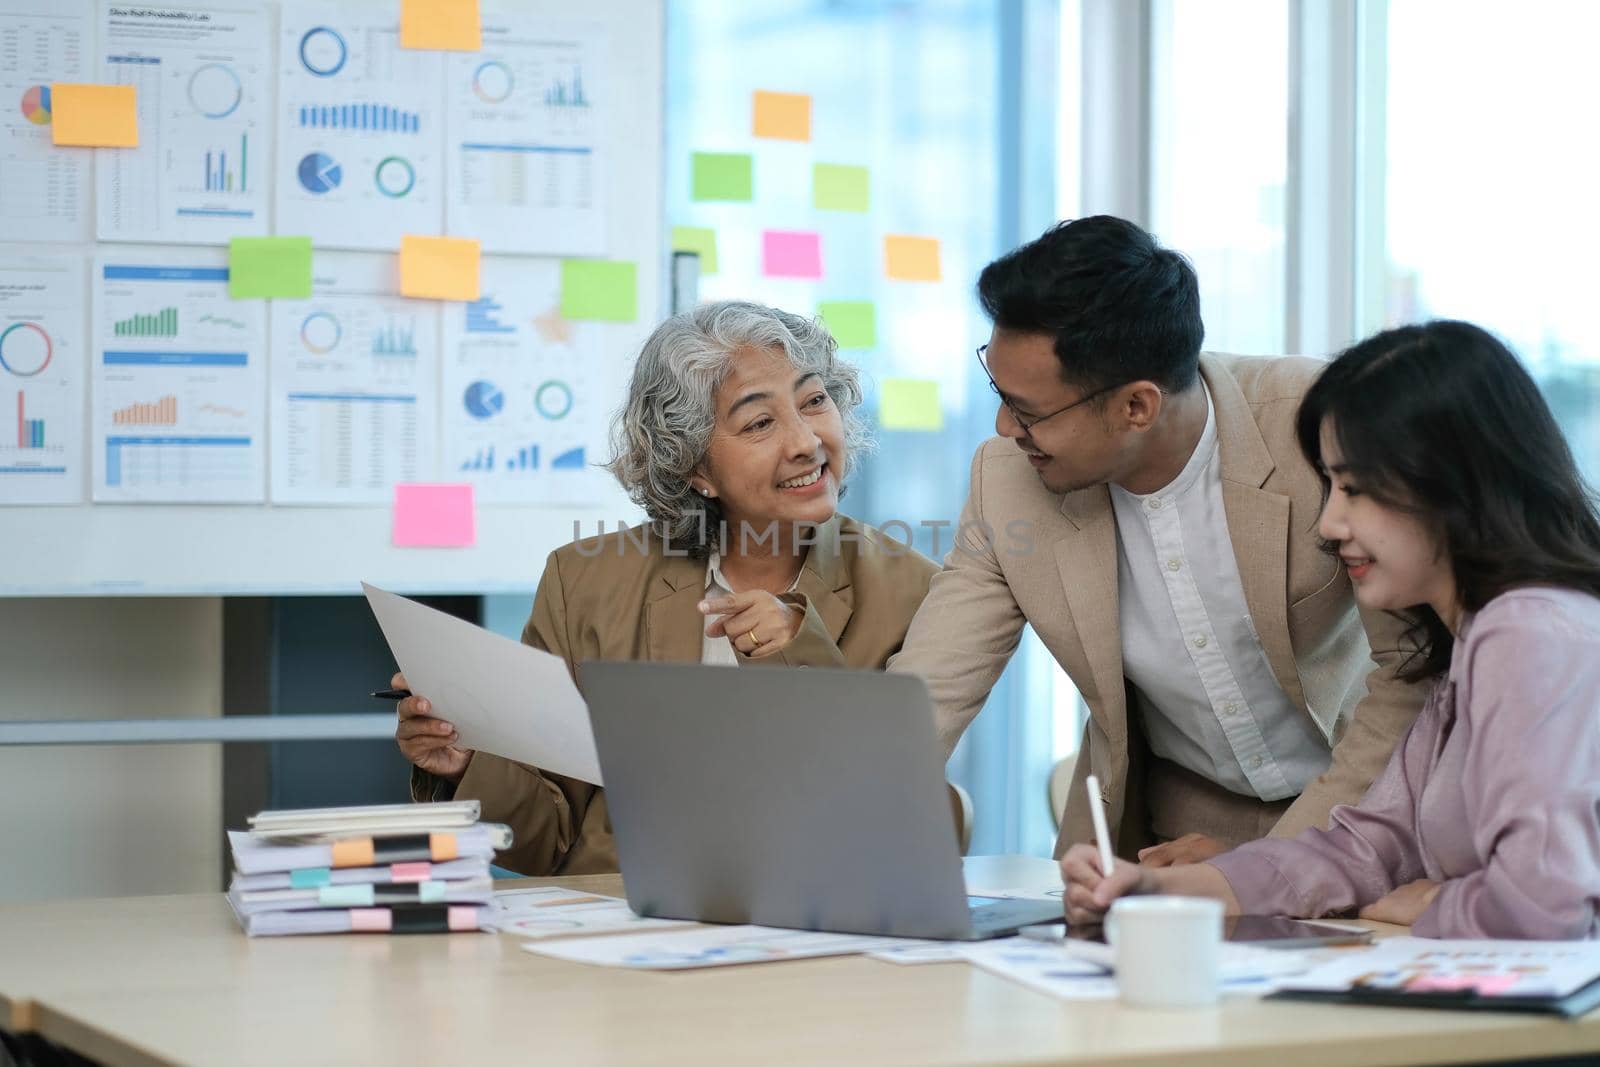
[910, 404]
[449, 25]
[94, 116]
[783, 116]
[911, 259]
[701, 240]
[439, 268]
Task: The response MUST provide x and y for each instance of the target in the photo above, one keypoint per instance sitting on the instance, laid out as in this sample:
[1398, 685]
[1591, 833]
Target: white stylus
[1102, 836]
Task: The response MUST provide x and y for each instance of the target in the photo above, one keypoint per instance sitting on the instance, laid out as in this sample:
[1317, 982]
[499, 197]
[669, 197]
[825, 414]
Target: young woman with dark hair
[1452, 500]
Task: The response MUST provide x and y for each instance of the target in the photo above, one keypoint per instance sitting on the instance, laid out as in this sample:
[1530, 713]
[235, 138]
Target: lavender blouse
[1494, 792]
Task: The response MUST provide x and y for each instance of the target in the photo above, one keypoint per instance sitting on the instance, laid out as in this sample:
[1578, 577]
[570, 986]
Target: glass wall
[912, 93]
[1489, 197]
[1219, 153]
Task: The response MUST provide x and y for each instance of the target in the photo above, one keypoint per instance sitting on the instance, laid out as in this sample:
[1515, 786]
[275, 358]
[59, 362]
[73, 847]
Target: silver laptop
[813, 800]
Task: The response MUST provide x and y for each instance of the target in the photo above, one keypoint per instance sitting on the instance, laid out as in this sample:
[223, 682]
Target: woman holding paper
[1452, 499]
[737, 435]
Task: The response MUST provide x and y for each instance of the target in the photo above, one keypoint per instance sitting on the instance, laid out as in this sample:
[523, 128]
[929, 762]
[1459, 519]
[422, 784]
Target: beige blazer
[1052, 562]
[608, 598]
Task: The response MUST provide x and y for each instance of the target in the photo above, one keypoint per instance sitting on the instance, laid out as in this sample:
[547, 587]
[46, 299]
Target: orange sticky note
[911, 259]
[94, 116]
[449, 25]
[434, 516]
[784, 116]
[439, 268]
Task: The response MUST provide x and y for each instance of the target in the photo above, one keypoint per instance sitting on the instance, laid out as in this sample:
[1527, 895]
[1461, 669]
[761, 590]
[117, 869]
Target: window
[1219, 151]
[1489, 190]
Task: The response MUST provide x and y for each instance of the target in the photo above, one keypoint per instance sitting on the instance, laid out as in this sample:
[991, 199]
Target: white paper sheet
[502, 696]
[528, 395]
[179, 383]
[1492, 968]
[551, 911]
[43, 358]
[46, 192]
[359, 129]
[526, 133]
[708, 946]
[204, 90]
[355, 402]
[1078, 970]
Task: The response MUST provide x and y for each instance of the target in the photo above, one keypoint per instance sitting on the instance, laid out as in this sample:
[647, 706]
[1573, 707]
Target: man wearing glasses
[1170, 563]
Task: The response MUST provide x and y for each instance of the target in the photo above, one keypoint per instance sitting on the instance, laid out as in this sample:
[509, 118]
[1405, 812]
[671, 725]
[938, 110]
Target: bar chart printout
[45, 191]
[179, 384]
[203, 83]
[354, 400]
[42, 357]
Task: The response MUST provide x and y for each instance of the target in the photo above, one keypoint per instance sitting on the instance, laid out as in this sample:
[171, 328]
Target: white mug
[1168, 950]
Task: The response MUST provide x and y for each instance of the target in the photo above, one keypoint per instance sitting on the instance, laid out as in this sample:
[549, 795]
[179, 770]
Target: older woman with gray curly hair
[736, 438]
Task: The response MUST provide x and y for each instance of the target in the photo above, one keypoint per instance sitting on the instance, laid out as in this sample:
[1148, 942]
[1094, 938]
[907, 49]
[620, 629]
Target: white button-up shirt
[718, 651]
[1202, 686]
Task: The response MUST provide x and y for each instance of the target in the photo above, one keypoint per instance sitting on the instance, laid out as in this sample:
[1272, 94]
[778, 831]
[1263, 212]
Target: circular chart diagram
[483, 400]
[36, 105]
[25, 349]
[492, 82]
[323, 52]
[394, 177]
[320, 332]
[553, 399]
[320, 173]
[215, 91]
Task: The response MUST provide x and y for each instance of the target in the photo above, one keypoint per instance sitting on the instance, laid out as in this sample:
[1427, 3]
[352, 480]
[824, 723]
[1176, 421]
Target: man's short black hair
[1120, 307]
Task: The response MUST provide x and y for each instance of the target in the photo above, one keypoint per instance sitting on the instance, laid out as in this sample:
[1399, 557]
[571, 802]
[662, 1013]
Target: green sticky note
[910, 404]
[839, 188]
[723, 176]
[602, 290]
[853, 323]
[701, 240]
[260, 267]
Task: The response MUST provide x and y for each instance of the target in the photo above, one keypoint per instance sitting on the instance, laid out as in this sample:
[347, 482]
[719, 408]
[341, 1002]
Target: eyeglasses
[1029, 422]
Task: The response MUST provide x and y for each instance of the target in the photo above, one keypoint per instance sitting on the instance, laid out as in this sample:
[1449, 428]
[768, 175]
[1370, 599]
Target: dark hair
[1441, 421]
[1121, 308]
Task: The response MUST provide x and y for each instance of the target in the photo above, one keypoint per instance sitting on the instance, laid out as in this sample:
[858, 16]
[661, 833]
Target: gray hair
[661, 435]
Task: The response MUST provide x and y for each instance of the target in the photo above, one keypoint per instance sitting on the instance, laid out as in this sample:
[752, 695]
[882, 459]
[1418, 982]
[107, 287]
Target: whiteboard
[137, 549]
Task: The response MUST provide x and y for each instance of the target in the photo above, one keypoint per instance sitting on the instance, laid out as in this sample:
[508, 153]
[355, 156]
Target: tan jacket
[1052, 563]
[607, 598]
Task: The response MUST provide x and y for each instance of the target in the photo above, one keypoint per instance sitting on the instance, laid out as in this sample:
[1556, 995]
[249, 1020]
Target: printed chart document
[1082, 970]
[44, 190]
[359, 134]
[502, 696]
[1557, 977]
[42, 355]
[551, 911]
[526, 142]
[202, 75]
[708, 946]
[179, 381]
[527, 394]
[354, 385]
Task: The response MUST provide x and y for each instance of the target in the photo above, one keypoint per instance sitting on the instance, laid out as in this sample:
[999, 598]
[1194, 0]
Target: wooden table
[171, 980]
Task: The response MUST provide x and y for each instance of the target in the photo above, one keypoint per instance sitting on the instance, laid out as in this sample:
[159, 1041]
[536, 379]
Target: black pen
[391, 694]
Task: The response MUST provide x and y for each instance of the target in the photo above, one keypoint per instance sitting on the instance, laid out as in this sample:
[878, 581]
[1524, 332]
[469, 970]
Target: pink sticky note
[787, 254]
[433, 516]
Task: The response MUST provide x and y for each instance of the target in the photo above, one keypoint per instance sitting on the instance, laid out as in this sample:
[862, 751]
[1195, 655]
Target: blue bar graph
[480, 317]
[571, 460]
[377, 117]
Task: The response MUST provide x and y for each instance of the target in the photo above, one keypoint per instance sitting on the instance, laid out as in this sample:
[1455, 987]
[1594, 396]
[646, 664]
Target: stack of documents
[401, 868]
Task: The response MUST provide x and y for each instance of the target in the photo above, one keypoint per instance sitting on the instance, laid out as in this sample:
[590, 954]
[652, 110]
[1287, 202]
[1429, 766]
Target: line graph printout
[354, 385]
[526, 148]
[42, 320]
[359, 135]
[203, 76]
[526, 395]
[44, 190]
[179, 382]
